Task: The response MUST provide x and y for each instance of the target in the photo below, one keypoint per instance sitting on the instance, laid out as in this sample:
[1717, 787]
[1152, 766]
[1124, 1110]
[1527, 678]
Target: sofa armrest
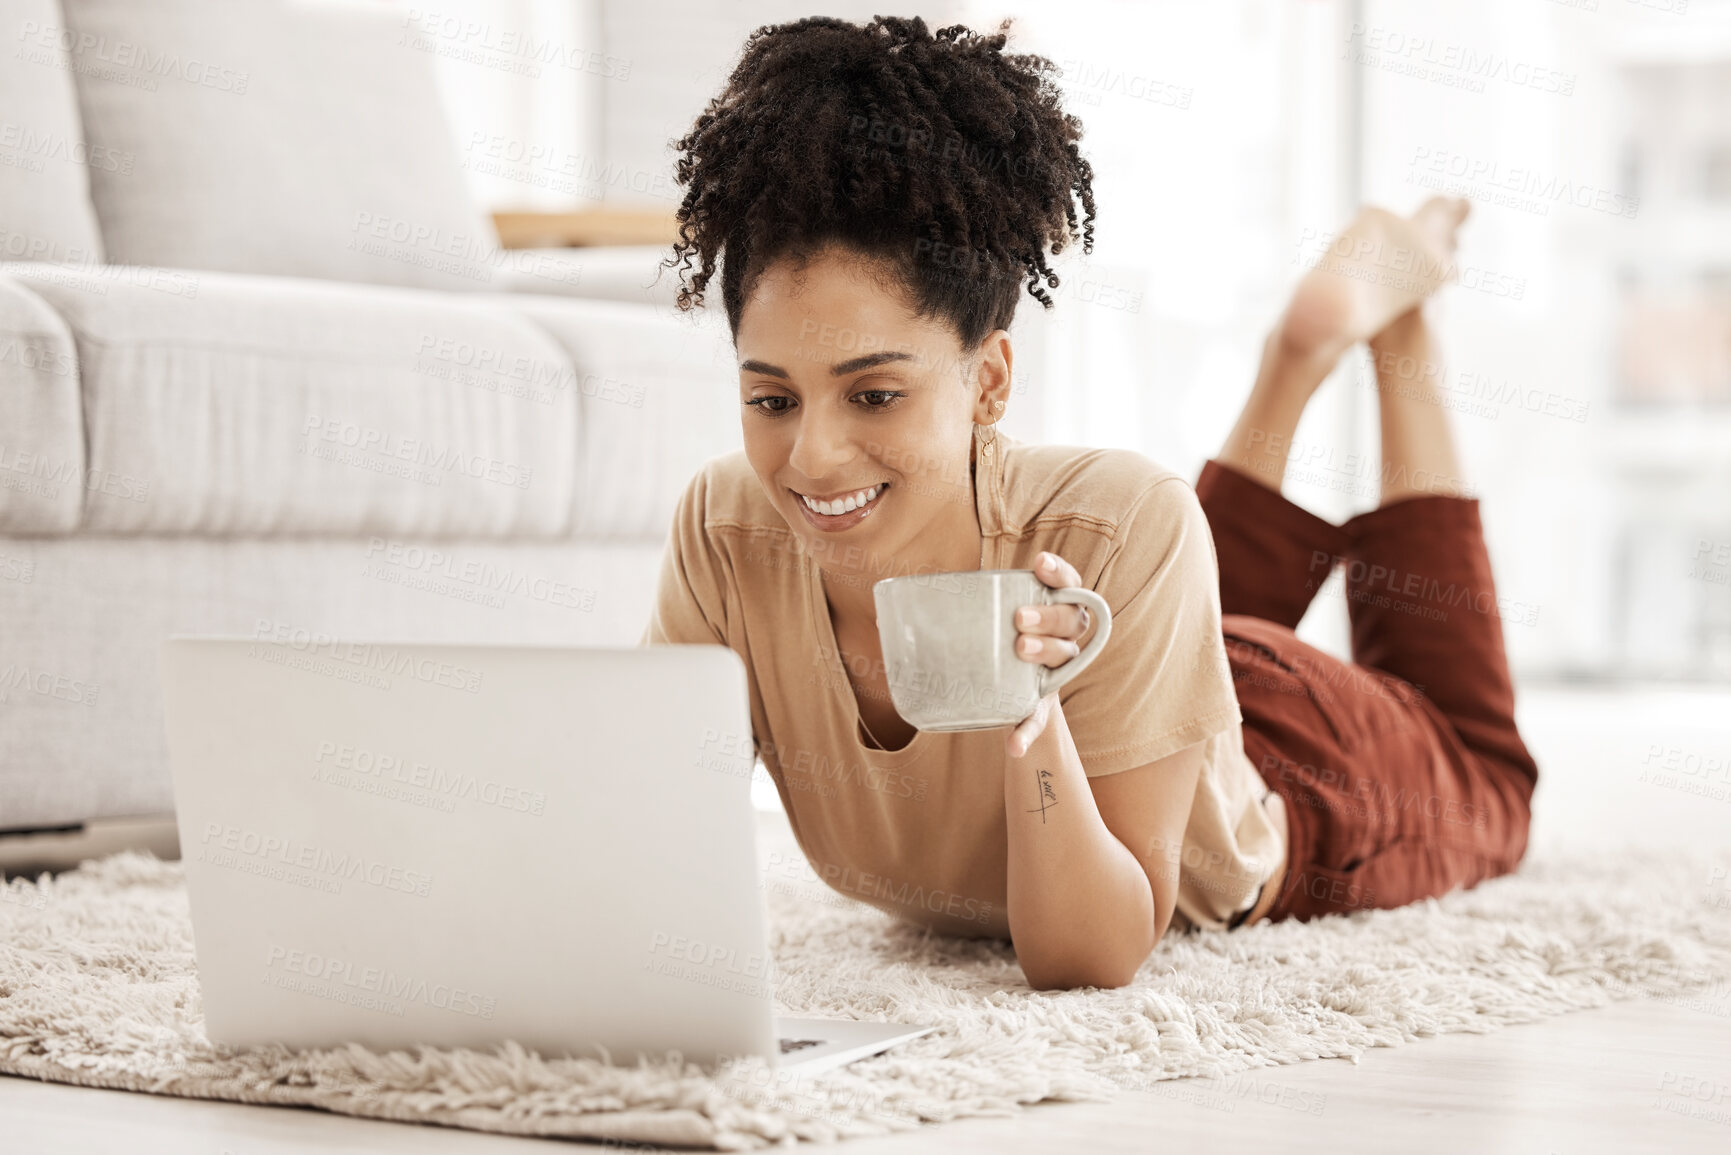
[42, 465]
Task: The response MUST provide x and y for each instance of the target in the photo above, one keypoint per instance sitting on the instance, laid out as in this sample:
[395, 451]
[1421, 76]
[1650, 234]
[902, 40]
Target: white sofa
[225, 409]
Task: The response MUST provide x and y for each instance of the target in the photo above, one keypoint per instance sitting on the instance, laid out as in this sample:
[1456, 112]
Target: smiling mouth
[844, 505]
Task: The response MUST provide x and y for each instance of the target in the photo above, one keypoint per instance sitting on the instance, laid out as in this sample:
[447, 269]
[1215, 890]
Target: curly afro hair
[935, 156]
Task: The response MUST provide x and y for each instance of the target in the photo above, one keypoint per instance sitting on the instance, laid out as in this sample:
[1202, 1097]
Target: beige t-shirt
[919, 832]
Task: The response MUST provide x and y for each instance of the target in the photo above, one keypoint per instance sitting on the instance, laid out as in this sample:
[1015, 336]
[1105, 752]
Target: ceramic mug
[949, 646]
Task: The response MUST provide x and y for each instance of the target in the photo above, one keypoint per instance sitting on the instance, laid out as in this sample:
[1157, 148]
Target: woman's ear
[992, 377]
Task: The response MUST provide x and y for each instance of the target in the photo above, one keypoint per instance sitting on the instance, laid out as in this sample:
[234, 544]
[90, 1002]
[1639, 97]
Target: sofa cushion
[45, 212]
[658, 394]
[273, 136]
[42, 474]
[257, 405]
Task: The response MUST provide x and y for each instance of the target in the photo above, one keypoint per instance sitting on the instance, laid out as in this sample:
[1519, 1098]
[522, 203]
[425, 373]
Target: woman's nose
[822, 444]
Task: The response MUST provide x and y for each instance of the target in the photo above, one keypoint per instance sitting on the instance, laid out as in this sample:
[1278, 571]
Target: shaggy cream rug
[97, 987]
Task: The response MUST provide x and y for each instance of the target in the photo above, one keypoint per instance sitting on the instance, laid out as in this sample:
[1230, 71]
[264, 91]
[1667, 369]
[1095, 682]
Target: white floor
[1633, 1076]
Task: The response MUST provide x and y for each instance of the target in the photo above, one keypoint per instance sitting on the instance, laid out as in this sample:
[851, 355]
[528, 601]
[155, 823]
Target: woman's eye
[886, 399]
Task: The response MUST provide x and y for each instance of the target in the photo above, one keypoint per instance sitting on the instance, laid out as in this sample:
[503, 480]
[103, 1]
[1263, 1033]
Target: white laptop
[457, 845]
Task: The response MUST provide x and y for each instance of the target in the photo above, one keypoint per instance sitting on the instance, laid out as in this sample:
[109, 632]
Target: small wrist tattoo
[1048, 796]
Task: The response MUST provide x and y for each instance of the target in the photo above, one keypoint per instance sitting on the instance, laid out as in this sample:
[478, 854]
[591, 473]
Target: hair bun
[936, 153]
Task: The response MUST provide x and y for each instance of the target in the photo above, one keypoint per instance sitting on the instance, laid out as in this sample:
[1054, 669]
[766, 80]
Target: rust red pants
[1402, 771]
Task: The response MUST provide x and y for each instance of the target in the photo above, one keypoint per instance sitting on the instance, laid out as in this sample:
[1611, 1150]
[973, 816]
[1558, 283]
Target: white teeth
[843, 505]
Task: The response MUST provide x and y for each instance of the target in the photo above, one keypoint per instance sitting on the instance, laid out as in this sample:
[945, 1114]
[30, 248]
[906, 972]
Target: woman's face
[843, 390]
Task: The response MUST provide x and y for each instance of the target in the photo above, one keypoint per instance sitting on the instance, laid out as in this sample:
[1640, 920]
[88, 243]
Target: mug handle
[1051, 677]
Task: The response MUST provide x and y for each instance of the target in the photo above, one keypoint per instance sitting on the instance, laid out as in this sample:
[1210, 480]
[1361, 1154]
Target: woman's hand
[1047, 635]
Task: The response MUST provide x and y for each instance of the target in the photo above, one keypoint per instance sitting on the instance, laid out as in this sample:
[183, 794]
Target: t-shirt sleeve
[691, 593]
[1162, 682]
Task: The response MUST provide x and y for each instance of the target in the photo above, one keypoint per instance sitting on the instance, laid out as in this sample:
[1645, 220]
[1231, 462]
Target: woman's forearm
[1081, 909]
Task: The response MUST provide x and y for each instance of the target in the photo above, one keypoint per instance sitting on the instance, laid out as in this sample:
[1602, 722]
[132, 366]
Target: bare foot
[1378, 268]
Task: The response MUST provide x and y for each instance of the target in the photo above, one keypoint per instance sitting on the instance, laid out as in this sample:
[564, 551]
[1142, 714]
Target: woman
[880, 194]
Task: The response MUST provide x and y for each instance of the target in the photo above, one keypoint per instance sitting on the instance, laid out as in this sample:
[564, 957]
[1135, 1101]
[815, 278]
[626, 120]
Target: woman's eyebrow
[840, 369]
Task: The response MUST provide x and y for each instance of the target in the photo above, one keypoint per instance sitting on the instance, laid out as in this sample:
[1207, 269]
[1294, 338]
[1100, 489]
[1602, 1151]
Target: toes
[1440, 216]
